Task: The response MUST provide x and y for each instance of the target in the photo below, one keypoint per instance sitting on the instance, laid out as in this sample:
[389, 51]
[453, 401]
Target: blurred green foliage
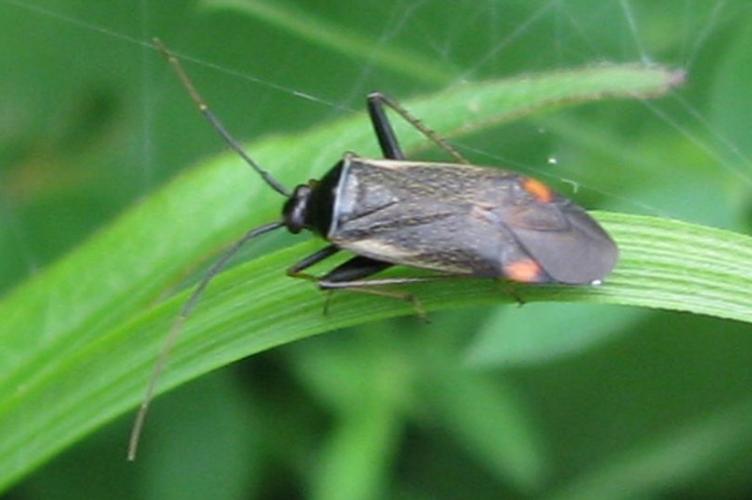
[571, 400]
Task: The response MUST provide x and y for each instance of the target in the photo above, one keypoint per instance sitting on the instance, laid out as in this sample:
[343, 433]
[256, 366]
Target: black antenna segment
[215, 121]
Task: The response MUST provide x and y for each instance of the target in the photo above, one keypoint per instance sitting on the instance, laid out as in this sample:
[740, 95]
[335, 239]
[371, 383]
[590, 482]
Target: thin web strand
[699, 142]
[685, 131]
[147, 115]
[708, 27]
[629, 15]
[507, 41]
[706, 31]
[185, 57]
[215, 121]
[725, 141]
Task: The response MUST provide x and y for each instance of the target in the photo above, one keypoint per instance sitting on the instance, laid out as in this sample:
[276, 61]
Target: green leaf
[339, 38]
[659, 463]
[78, 341]
[542, 333]
[356, 456]
[731, 97]
[489, 420]
[363, 381]
[228, 465]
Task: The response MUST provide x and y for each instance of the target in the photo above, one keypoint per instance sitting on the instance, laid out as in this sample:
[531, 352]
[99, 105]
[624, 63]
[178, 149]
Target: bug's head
[311, 205]
[296, 208]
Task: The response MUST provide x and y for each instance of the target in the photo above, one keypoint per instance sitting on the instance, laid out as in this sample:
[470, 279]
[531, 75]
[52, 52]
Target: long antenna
[177, 328]
[214, 120]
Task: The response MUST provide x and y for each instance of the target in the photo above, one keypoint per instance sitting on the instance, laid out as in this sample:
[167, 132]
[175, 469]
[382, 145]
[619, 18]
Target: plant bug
[455, 218]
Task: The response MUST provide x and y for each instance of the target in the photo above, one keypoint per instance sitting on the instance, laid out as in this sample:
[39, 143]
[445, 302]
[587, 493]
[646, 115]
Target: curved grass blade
[77, 340]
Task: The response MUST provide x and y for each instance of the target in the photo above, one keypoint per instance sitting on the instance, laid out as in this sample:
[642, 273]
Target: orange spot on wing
[538, 190]
[525, 270]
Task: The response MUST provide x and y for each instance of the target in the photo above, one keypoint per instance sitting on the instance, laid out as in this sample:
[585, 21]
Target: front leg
[294, 271]
[354, 269]
[351, 275]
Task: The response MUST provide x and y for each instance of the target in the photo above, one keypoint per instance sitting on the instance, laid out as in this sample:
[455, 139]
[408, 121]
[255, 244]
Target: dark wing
[437, 241]
[468, 220]
[564, 240]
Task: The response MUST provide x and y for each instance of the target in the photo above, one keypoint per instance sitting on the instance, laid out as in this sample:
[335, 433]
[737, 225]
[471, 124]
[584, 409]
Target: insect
[454, 218]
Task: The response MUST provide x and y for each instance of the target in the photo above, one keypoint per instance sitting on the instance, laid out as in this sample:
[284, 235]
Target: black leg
[353, 270]
[356, 268]
[388, 139]
[352, 273]
[294, 271]
[383, 128]
[349, 276]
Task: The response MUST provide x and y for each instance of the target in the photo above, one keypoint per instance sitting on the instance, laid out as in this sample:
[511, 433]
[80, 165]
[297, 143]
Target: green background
[565, 400]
